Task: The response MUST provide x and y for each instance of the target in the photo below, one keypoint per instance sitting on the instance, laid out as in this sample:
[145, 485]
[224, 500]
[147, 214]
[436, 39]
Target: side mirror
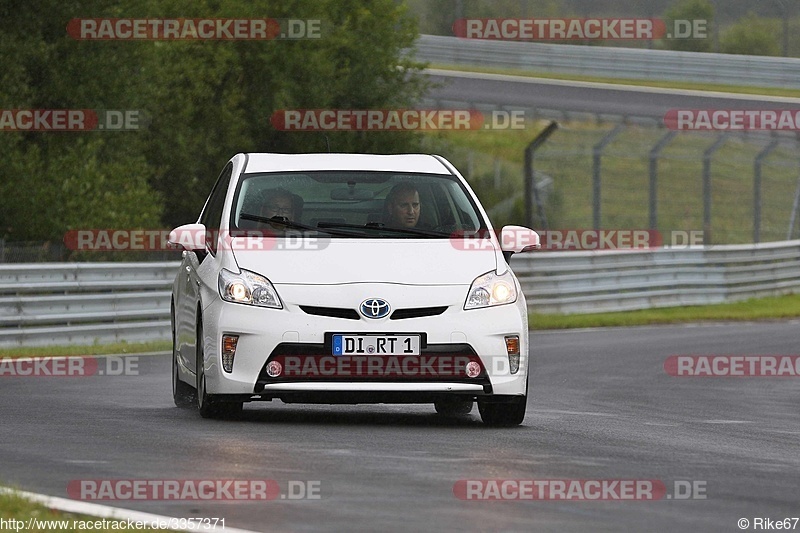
[518, 239]
[189, 237]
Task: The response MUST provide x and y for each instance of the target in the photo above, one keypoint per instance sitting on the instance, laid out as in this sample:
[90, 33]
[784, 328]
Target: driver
[403, 206]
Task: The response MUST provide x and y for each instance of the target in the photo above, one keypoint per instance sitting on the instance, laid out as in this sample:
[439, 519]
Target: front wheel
[211, 405]
[503, 414]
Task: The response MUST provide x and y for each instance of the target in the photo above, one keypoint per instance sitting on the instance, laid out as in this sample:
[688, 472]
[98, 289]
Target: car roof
[359, 162]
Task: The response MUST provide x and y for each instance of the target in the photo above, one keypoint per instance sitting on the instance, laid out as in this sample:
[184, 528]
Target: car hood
[338, 261]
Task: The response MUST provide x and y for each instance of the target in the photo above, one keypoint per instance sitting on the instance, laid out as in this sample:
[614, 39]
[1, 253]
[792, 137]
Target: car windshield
[356, 204]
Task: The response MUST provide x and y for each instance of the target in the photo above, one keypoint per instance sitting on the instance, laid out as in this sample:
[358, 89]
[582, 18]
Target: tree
[752, 35]
[689, 10]
[51, 182]
[205, 101]
[211, 100]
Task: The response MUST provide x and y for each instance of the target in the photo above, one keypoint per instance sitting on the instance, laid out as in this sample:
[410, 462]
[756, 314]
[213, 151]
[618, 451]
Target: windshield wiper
[283, 221]
[382, 227]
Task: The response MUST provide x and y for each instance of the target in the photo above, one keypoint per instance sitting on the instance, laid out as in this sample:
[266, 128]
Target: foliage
[437, 17]
[690, 10]
[751, 36]
[203, 101]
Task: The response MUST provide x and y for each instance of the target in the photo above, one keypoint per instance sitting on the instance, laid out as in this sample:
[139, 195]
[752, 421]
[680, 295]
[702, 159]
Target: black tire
[503, 414]
[211, 405]
[454, 407]
[183, 394]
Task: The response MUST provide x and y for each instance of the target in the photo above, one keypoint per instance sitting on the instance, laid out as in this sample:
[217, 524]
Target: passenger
[271, 203]
[280, 202]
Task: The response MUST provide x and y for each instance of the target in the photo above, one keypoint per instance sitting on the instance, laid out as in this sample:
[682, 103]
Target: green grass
[93, 349]
[772, 308]
[15, 507]
[742, 89]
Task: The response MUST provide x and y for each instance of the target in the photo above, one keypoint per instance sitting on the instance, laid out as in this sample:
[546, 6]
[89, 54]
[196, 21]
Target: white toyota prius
[349, 278]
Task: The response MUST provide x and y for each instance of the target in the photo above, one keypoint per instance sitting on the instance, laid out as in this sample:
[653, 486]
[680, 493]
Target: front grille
[352, 314]
[335, 312]
[418, 312]
[314, 353]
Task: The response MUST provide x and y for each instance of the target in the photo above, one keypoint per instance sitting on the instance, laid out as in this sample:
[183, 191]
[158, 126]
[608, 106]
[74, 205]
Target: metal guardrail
[602, 281]
[608, 62]
[84, 303]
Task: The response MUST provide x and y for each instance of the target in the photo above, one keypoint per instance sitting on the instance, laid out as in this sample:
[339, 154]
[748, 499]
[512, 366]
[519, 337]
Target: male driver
[402, 206]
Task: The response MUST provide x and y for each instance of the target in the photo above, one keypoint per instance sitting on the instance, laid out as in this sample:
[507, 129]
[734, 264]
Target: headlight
[491, 289]
[248, 288]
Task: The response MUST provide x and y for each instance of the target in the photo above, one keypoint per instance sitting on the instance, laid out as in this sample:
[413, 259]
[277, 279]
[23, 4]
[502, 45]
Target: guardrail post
[531, 191]
[654, 153]
[757, 188]
[707, 155]
[597, 153]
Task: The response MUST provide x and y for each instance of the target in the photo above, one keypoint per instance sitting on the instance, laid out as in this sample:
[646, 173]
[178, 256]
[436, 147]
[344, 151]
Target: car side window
[212, 214]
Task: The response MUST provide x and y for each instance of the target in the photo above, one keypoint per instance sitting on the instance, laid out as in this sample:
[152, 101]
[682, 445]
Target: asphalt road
[518, 91]
[602, 407]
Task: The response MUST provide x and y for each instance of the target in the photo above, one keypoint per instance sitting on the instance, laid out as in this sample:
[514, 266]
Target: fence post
[654, 153]
[597, 153]
[531, 192]
[757, 188]
[707, 155]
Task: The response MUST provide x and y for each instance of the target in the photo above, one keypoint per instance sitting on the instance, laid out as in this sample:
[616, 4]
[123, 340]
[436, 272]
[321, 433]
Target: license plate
[376, 344]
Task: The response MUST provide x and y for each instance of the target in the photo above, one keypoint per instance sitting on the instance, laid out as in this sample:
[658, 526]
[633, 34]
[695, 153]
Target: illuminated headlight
[248, 288]
[491, 289]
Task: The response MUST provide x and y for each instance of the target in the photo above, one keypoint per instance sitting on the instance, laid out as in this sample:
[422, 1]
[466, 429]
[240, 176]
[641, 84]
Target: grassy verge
[45, 520]
[94, 349]
[741, 89]
[779, 307]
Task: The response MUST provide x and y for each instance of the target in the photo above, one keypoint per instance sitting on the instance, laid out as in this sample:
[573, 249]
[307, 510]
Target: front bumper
[266, 335]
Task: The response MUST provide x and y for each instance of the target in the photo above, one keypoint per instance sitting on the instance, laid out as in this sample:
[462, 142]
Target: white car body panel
[408, 261]
[408, 273]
